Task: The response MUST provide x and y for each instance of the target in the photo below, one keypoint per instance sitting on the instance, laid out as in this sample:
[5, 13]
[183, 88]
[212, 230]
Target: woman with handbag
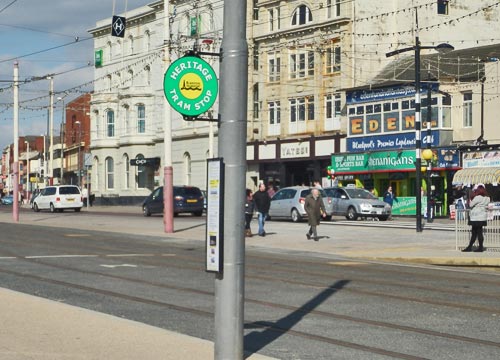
[478, 215]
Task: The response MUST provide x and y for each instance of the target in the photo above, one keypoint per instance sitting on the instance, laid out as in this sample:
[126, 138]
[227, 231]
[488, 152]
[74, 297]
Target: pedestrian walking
[249, 209]
[315, 210]
[389, 198]
[262, 202]
[85, 195]
[478, 215]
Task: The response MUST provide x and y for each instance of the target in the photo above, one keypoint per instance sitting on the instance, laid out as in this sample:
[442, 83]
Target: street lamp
[79, 143]
[418, 140]
[427, 156]
[61, 137]
[28, 183]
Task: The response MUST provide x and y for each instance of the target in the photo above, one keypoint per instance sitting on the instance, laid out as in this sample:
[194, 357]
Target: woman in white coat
[477, 216]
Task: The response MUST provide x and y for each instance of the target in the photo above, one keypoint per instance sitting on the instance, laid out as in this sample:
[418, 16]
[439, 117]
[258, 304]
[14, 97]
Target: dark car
[187, 199]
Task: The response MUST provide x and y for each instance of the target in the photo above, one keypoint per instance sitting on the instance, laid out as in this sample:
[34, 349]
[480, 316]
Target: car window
[290, 194]
[360, 194]
[279, 195]
[188, 191]
[157, 192]
[68, 190]
[49, 191]
[338, 193]
[305, 192]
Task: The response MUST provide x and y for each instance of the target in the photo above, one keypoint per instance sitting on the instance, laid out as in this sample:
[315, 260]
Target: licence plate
[192, 201]
[70, 199]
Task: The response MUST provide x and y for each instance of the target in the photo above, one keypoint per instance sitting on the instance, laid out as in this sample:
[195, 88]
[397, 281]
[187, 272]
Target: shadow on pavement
[257, 340]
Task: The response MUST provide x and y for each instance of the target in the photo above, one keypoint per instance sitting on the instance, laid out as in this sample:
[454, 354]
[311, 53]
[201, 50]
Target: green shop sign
[190, 86]
[374, 162]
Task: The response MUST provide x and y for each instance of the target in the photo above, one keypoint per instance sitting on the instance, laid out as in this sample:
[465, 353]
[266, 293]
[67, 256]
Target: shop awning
[477, 175]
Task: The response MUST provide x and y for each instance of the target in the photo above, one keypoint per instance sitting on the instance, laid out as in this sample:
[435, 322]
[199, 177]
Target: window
[302, 15]
[332, 8]
[142, 174]
[147, 71]
[333, 58]
[126, 119]
[187, 168]
[333, 105]
[442, 7]
[302, 64]
[110, 123]
[274, 112]
[467, 109]
[274, 19]
[141, 119]
[301, 109]
[255, 58]
[256, 101]
[274, 67]
[255, 16]
[126, 174]
[110, 168]
[147, 40]
[131, 77]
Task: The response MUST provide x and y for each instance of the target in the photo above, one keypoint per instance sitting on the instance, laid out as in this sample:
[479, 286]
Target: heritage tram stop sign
[190, 86]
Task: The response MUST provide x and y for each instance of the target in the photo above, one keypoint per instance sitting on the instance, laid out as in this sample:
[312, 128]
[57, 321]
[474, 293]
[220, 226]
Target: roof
[458, 65]
[483, 175]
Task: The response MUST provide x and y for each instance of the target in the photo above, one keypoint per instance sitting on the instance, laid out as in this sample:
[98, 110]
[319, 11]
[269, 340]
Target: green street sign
[190, 86]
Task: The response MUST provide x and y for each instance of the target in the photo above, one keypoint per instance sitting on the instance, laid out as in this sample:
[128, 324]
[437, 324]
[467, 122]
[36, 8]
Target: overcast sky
[29, 26]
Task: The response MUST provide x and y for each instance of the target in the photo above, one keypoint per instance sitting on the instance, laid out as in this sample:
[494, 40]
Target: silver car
[355, 202]
[288, 203]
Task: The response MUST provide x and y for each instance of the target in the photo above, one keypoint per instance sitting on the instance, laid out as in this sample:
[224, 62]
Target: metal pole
[51, 134]
[418, 140]
[61, 135]
[429, 143]
[168, 171]
[15, 207]
[79, 155]
[28, 171]
[229, 286]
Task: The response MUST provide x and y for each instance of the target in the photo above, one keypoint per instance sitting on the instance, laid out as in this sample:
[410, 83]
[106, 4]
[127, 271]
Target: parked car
[204, 192]
[288, 203]
[354, 202]
[34, 195]
[7, 200]
[187, 199]
[59, 198]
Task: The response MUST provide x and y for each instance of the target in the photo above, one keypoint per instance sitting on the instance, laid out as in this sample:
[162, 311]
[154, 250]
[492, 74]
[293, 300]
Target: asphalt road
[299, 305]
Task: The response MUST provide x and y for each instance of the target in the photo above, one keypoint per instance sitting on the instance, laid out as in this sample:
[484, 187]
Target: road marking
[76, 235]
[115, 266]
[58, 256]
[129, 255]
[8, 257]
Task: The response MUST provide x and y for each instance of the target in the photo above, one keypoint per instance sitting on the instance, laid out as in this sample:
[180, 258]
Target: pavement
[37, 328]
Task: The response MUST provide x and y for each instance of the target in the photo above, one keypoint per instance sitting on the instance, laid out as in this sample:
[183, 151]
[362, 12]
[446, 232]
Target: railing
[491, 231]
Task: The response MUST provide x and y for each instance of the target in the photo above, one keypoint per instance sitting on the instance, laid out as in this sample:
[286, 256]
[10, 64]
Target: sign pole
[229, 286]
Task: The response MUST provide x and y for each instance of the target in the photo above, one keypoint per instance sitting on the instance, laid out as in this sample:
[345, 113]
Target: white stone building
[127, 107]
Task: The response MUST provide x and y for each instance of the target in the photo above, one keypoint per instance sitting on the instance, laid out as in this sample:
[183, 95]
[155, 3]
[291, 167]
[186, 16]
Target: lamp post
[418, 140]
[427, 156]
[79, 143]
[61, 137]
[28, 183]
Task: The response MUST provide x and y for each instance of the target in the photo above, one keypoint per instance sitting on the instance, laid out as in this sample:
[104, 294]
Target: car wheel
[351, 214]
[295, 215]
[35, 207]
[52, 208]
[198, 213]
[383, 218]
[146, 211]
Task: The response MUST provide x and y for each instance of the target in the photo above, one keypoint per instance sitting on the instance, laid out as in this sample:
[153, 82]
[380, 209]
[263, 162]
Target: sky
[35, 26]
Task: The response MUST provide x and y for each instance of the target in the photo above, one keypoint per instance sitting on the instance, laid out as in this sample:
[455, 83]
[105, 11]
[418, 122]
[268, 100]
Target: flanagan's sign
[190, 86]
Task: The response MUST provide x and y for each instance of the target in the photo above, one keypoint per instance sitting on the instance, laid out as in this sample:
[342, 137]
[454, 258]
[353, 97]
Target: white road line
[8, 257]
[129, 255]
[58, 256]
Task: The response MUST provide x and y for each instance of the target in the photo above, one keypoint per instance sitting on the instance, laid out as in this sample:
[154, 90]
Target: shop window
[467, 109]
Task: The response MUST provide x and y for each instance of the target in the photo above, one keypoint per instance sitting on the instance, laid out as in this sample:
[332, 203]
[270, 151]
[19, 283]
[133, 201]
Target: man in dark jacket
[262, 203]
[315, 209]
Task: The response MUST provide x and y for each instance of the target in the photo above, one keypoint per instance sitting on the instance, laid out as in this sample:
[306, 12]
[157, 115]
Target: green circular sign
[190, 85]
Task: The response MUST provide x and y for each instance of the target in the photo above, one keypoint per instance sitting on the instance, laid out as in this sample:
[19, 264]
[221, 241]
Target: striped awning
[477, 175]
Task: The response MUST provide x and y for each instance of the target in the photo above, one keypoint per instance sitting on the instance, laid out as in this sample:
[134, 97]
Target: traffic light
[330, 172]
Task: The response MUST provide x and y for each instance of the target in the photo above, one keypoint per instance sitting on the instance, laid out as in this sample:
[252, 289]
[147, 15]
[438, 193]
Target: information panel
[215, 215]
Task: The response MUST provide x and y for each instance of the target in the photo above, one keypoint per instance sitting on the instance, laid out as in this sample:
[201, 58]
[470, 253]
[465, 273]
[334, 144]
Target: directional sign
[118, 26]
[190, 86]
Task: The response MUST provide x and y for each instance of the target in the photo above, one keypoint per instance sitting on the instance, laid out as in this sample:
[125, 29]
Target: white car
[58, 198]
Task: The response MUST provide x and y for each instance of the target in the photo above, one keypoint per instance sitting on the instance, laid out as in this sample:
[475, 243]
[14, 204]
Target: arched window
[302, 15]
[147, 71]
[126, 172]
[110, 173]
[110, 123]
[131, 77]
[187, 168]
[141, 119]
